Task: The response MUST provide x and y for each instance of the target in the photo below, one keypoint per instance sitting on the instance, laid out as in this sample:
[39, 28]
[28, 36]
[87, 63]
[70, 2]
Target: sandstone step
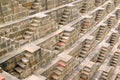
[19, 70]
[21, 65]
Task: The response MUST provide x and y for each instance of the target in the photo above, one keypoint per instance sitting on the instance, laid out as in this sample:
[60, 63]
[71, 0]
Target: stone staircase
[37, 6]
[29, 34]
[100, 32]
[102, 55]
[85, 73]
[117, 77]
[62, 43]
[113, 39]
[98, 2]
[99, 14]
[85, 49]
[84, 7]
[115, 59]
[22, 68]
[85, 25]
[104, 76]
[58, 71]
[65, 17]
[109, 7]
[111, 21]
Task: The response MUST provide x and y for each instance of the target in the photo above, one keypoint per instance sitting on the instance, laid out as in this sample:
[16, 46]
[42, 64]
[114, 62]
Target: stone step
[66, 34]
[66, 13]
[63, 40]
[87, 69]
[58, 47]
[57, 72]
[65, 37]
[27, 36]
[105, 74]
[29, 32]
[16, 74]
[25, 60]
[85, 73]
[21, 64]
[82, 55]
[101, 58]
[65, 16]
[19, 70]
[62, 23]
[85, 49]
[36, 21]
[34, 25]
[32, 29]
